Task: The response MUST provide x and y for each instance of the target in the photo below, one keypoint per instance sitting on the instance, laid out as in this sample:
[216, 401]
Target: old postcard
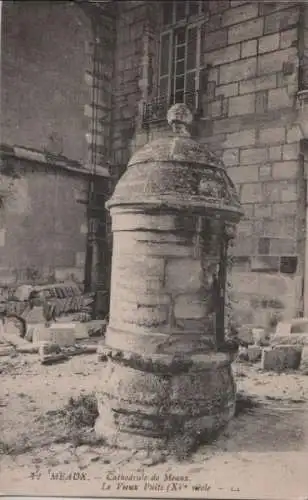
[154, 249]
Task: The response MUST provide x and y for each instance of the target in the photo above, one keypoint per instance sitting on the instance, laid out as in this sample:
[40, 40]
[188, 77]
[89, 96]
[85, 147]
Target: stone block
[245, 334]
[294, 134]
[254, 353]
[144, 316]
[285, 170]
[213, 23]
[214, 108]
[239, 139]
[288, 191]
[265, 172]
[263, 210]
[219, 6]
[287, 38]
[35, 315]
[261, 102]
[189, 307]
[246, 31]
[260, 336]
[240, 70]
[6, 350]
[265, 263]
[248, 49]
[304, 359]
[269, 43]
[242, 354]
[280, 209]
[281, 20]
[163, 222]
[239, 14]
[183, 275]
[272, 135]
[257, 84]
[283, 328]
[242, 105]
[215, 40]
[58, 333]
[282, 246]
[290, 151]
[241, 175]
[297, 325]
[248, 210]
[275, 153]
[280, 98]
[226, 126]
[269, 64]
[253, 155]
[263, 246]
[231, 157]
[271, 191]
[251, 193]
[280, 226]
[281, 357]
[228, 90]
[223, 56]
[82, 330]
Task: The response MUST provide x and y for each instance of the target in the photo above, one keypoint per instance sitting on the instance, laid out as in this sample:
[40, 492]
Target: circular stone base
[168, 404]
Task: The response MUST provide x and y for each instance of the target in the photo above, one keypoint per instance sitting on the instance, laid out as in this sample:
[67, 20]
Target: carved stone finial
[180, 118]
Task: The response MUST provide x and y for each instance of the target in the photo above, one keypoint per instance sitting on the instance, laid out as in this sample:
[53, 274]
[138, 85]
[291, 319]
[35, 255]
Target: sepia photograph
[154, 249]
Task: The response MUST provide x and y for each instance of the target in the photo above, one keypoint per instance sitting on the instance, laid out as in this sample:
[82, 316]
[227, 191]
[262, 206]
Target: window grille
[180, 41]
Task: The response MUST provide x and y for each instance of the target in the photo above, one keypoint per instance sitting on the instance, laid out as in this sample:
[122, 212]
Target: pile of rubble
[286, 349]
[53, 342]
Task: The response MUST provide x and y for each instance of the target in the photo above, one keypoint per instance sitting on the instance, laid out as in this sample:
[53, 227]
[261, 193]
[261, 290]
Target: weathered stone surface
[239, 70]
[241, 105]
[58, 333]
[260, 336]
[163, 382]
[254, 353]
[239, 14]
[129, 399]
[281, 357]
[296, 325]
[245, 334]
[257, 84]
[246, 31]
[249, 48]
[269, 43]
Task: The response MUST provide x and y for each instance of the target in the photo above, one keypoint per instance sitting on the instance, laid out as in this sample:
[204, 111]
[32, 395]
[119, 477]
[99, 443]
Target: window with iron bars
[180, 40]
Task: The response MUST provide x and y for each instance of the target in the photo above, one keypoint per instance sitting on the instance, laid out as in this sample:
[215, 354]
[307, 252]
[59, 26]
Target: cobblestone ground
[263, 451]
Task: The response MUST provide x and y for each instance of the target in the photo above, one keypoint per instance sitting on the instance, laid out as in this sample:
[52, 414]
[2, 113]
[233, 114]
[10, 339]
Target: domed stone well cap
[177, 172]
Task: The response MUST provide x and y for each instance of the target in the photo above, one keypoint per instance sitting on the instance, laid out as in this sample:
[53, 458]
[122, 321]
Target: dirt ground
[262, 454]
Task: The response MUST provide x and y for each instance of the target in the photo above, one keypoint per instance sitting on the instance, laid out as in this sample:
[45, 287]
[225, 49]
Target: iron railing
[155, 111]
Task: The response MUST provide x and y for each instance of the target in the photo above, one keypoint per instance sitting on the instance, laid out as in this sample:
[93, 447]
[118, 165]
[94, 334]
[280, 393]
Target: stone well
[167, 377]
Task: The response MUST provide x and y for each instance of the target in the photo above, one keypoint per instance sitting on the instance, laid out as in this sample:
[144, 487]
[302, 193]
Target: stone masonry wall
[161, 284]
[133, 74]
[43, 88]
[250, 119]
[43, 227]
[251, 102]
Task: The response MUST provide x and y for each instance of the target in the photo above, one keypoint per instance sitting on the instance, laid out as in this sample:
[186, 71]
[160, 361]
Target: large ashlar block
[281, 357]
[62, 334]
[184, 275]
[296, 325]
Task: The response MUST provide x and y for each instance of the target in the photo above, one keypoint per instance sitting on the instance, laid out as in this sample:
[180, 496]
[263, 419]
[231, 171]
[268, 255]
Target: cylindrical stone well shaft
[165, 380]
